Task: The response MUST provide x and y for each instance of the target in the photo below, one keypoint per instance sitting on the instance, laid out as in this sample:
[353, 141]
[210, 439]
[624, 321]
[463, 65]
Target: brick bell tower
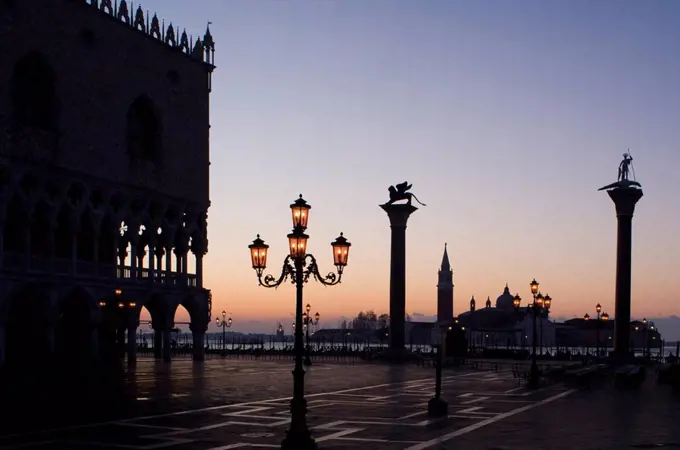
[445, 290]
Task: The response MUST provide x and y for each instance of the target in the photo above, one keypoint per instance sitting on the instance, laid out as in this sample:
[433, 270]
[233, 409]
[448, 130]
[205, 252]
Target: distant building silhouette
[104, 161]
[503, 326]
[445, 290]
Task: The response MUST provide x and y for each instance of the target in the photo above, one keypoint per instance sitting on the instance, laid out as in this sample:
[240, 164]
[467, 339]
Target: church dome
[505, 300]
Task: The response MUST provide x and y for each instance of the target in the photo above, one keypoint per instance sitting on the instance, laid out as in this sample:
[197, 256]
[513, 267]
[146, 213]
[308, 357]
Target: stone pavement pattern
[244, 405]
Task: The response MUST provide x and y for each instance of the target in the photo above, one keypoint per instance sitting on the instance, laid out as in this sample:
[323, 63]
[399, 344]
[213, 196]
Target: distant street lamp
[118, 319]
[224, 324]
[644, 337]
[299, 266]
[308, 322]
[436, 406]
[599, 318]
[538, 307]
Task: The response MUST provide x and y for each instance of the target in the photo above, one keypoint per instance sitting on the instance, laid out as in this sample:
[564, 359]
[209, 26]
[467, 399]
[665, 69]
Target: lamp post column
[624, 199]
[299, 432]
[398, 215]
[597, 336]
[533, 375]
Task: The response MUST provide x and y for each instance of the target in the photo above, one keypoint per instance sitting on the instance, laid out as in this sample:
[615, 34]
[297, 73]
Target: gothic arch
[160, 311]
[144, 131]
[33, 93]
[198, 312]
[86, 237]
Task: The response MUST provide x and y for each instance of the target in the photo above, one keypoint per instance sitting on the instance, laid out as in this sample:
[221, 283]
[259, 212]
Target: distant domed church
[504, 326]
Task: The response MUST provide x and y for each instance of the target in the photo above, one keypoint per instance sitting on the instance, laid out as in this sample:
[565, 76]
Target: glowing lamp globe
[586, 317]
[317, 317]
[297, 243]
[539, 300]
[534, 286]
[258, 254]
[300, 211]
[605, 316]
[598, 308]
[340, 251]
[547, 301]
[516, 300]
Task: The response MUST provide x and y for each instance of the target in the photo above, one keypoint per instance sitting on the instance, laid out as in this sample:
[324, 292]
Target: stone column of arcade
[167, 345]
[157, 343]
[625, 194]
[398, 214]
[198, 337]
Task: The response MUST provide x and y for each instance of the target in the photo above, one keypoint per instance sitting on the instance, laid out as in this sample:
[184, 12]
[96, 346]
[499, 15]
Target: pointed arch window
[33, 93]
[143, 131]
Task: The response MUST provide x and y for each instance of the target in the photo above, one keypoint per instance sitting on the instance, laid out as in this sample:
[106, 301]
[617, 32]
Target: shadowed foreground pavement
[244, 404]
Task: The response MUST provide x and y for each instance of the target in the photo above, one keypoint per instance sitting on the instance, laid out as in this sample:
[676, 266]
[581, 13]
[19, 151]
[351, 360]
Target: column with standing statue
[398, 214]
[625, 193]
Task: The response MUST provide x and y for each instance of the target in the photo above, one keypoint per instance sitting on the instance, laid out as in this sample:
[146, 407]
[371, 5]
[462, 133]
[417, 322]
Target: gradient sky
[506, 116]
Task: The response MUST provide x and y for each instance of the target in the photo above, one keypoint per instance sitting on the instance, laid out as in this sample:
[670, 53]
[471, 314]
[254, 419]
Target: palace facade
[104, 177]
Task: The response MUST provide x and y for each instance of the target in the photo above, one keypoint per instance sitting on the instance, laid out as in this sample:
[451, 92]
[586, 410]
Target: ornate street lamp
[308, 323]
[299, 266]
[224, 324]
[118, 314]
[539, 307]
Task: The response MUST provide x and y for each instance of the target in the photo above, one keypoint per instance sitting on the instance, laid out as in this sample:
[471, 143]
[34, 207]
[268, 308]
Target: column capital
[625, 199]
[398, 213]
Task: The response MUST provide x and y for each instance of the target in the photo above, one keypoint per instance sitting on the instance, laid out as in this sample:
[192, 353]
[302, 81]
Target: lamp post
[308, 322]
[599, 319]
[224, 324]
[436, 407]
[644, 338]
[118, 319]
[539, 306]
[299, 266]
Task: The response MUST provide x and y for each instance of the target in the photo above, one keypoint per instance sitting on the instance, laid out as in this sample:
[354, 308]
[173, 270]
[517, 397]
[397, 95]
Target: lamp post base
[298, 436]
[534, 376]
[299, 439]
[437, 407]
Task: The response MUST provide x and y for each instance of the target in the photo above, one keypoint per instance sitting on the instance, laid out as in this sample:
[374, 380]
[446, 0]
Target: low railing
[86, 269]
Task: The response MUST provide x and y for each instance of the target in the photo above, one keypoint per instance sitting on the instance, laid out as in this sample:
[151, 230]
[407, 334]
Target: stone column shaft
[199, 270]
[199, 345]
[167, 349]
[157, 344]
[624, 200]
[132, 345]
[152, 260]
[398, 215]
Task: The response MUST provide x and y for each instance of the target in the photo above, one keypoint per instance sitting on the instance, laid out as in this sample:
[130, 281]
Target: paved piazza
[237, 404]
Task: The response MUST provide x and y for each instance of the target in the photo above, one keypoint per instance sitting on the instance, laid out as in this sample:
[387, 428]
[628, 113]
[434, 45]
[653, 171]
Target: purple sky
[506, 116]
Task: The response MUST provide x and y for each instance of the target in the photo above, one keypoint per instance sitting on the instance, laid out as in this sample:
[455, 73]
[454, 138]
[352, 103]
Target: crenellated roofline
[202, 50]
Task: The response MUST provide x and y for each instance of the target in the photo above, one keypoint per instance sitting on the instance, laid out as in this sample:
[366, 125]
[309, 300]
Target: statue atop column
[624, 181]
[400, 192]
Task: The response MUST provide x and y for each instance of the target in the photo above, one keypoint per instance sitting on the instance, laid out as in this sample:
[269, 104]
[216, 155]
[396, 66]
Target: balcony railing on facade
[94, 271]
